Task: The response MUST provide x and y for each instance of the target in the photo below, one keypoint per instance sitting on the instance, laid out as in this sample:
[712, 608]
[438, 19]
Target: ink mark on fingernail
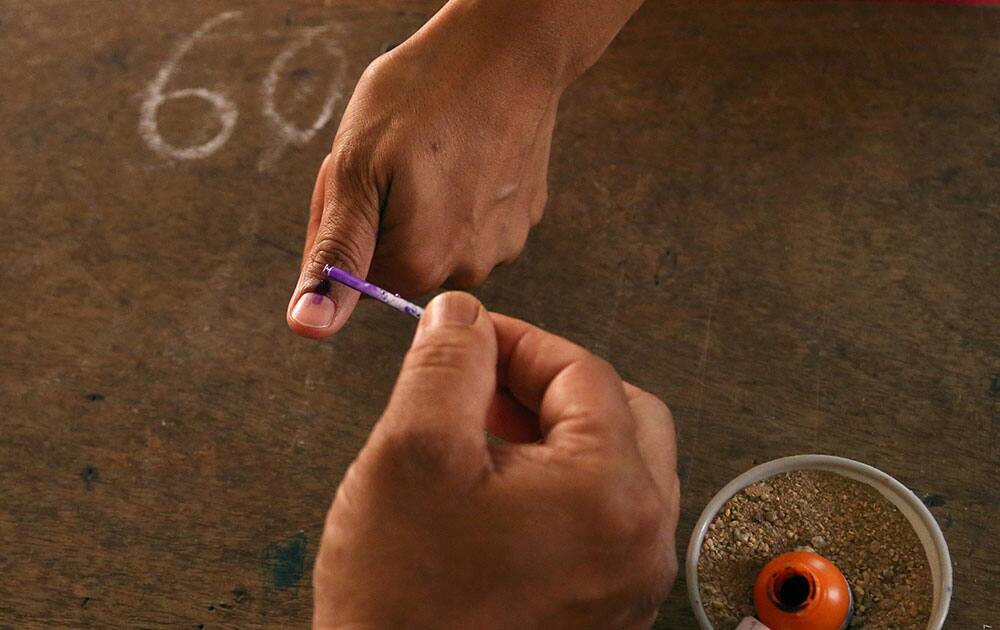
[320, 291]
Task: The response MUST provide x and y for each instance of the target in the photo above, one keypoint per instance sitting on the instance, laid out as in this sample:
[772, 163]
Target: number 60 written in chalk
[224, 109]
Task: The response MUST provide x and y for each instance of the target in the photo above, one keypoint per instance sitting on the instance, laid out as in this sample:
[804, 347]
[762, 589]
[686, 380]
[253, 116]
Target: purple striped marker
[369, 289]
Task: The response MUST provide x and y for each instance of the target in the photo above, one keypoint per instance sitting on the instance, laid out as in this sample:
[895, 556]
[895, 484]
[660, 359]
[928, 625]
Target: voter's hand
[568, 522]
[437, 172]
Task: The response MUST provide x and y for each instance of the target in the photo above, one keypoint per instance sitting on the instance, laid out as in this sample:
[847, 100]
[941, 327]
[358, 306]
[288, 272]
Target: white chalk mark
[288, 133]
[156, 97]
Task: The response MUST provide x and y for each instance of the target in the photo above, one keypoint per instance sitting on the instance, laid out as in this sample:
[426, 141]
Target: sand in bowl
[847, 521]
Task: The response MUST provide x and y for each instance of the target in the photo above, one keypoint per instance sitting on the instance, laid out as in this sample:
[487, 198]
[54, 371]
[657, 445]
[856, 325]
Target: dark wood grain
[782, 218]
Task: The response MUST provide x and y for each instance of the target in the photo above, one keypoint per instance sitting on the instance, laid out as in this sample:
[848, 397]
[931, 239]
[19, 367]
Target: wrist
[508, 43]
[550, 41]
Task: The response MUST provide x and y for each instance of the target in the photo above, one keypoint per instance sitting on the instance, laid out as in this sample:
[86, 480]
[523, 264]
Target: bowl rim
[835, 464]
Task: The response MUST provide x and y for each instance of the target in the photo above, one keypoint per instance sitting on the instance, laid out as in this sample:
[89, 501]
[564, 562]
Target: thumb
[447, 384]
[343, 226]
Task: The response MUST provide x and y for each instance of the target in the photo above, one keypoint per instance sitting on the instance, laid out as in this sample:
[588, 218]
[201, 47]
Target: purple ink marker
[369, 289]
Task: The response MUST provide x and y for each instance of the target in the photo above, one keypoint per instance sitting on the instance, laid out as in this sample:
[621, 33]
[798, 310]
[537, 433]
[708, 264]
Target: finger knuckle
[538, 208]
[422, 270]
[659, 408]
[666, 418]
[523, 230]
[519, 234]
[665, 575]
[602, 369]
[481, 271]
[633, 517]
[513, 255]
[648, 512]
[344, 250]
[518, 247]
[352, 165]
[413, 451]
[651, 585]
[349, 154]
[375, 70]
[630, 526]
[657, 572]
[471, 275]
[515, 245]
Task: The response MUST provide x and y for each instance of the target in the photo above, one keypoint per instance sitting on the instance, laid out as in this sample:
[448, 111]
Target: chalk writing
[288, 133]
[156, 97]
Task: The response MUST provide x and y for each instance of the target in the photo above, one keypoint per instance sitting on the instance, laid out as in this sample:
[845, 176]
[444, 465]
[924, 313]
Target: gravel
[847, 521]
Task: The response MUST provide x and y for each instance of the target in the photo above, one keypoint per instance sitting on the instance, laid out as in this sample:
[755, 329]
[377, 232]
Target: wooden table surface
[782, 218]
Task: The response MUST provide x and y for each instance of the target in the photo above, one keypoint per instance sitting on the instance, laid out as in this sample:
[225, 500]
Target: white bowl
[913, 509]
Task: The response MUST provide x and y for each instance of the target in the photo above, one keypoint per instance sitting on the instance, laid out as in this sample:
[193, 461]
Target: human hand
[437, 172]
[432, 527]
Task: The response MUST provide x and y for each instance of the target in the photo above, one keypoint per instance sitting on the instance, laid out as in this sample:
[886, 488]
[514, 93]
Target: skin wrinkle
[339, 253]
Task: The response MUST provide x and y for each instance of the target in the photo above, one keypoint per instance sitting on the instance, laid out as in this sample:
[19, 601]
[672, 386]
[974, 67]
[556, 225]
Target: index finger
[572, 391]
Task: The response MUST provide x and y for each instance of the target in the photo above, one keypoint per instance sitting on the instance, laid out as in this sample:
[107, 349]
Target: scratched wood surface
[782, 218]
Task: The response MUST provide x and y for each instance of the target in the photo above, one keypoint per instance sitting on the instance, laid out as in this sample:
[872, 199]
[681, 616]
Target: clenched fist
[568, 522]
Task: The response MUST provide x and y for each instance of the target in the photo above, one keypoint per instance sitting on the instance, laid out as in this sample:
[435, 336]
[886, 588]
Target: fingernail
[314, 310]
[456, 309]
